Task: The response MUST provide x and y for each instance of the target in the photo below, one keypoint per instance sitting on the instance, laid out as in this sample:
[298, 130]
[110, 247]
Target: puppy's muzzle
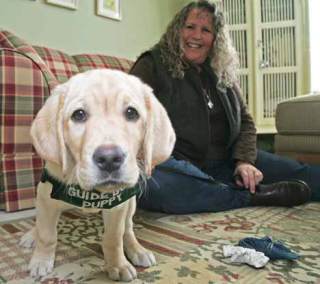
[109, 158]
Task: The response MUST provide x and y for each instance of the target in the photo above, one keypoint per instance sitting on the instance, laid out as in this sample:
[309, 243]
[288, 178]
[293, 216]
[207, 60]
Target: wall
[77, 31]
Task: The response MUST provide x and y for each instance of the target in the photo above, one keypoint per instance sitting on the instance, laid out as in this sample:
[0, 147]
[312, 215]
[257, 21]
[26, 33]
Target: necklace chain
[208, 98]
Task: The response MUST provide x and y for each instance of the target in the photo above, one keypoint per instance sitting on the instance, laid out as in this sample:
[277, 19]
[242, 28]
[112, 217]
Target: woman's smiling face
[197, 36]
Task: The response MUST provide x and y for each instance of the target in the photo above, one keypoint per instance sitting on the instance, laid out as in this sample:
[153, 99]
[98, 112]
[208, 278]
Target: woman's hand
[248, 176]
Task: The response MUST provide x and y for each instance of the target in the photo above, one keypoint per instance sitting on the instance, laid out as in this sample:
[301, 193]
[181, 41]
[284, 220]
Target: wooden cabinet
[269, 36]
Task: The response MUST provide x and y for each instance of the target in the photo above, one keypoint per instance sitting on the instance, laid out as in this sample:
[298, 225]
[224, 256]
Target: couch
[298, 128]
[28, 73]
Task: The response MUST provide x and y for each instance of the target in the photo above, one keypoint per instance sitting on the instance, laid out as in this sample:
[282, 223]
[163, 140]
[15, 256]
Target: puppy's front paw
[124, 272]
[141, 257]
[28, 240]
[40, 266]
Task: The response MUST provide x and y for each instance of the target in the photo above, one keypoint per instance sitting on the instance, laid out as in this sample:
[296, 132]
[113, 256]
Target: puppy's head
[103, 127]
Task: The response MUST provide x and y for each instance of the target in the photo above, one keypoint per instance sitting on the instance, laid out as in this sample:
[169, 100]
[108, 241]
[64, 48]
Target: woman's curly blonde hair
[223, 56]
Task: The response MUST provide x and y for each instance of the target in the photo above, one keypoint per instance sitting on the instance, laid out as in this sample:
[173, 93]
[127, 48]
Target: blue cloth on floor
[273, 250]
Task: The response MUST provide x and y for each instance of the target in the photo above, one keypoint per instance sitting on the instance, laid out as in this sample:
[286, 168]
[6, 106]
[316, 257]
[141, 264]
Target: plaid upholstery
[61, 64]
[23, 87]
[86, 62]
[21, 173]
[27, 75]
[20, 168]
[10, 42]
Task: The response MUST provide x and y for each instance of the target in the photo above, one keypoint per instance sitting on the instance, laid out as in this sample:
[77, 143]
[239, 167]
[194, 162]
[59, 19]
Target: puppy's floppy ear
[47, 129]
[159, 137]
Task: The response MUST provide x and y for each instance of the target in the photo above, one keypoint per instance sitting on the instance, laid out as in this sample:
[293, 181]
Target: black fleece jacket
[189, 114]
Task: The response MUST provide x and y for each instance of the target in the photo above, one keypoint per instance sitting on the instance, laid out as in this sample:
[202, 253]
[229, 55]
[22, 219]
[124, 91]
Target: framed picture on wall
[71, 4]
[109, 9]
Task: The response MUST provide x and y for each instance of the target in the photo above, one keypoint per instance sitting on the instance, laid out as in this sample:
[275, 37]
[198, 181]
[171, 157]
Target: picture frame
[109, 9]
[70, 4]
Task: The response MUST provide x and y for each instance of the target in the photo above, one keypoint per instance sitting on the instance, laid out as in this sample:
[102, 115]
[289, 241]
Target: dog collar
[75, 195]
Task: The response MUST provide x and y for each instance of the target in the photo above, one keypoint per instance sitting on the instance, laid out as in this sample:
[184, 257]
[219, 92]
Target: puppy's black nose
[109, 157]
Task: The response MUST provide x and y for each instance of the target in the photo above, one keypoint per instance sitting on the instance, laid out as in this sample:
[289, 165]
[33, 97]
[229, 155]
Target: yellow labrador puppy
[98, 133]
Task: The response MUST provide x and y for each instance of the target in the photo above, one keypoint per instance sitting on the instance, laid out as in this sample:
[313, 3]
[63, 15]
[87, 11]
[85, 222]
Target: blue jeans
[178, 187]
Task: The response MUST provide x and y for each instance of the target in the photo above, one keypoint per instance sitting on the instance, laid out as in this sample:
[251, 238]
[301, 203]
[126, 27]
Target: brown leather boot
[283, 193]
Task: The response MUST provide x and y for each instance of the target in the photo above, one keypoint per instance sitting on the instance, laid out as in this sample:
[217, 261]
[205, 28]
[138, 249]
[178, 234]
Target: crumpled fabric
[251, 257]
[273, 250]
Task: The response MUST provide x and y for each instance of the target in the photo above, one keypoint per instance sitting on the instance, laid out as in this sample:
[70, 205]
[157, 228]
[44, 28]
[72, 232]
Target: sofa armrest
[23, 89]
[298, 129]
[299, 115]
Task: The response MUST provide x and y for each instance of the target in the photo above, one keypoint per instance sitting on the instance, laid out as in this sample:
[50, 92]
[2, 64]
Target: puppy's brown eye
[79, 115]
[131, 114]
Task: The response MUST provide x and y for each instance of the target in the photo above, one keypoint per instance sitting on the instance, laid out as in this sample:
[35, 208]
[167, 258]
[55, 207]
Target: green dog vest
[73, 194]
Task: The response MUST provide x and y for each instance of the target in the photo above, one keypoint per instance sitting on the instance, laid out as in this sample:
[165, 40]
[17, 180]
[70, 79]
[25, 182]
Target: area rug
[188, 248]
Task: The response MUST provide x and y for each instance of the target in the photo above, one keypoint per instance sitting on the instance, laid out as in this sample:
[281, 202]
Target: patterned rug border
[188, 248]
